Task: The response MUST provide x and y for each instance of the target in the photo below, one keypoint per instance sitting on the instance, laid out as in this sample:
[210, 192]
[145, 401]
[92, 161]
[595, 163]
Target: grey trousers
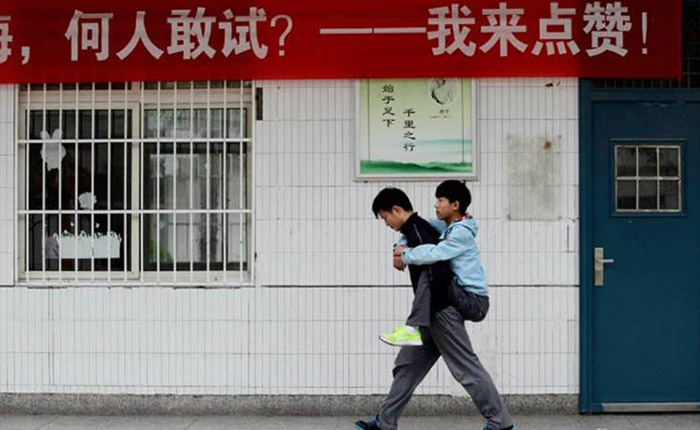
[471, 306]
[449, 339]
[420, 309]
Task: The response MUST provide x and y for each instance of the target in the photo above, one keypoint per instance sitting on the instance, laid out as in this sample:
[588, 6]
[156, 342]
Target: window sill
[117, 279]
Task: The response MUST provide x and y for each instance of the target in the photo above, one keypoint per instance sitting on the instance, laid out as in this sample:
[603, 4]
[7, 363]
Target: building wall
[325, 286]
[7, 200]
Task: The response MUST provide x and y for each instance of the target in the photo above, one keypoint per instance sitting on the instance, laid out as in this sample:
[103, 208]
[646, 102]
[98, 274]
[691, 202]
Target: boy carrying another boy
[447, 335]
[429, 281]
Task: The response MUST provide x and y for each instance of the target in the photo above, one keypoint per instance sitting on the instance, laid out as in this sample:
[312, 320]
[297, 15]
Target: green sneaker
[402, 335]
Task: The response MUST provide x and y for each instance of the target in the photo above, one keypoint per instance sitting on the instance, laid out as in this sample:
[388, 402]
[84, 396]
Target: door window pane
[669, 161]
[626, 195]
[626, 161]
[647, 195]
[647, 162]
[669, 195]
[648, 178]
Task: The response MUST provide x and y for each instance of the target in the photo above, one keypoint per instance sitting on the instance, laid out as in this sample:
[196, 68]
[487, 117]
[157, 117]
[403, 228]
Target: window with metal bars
[691, 58]
[138, 183]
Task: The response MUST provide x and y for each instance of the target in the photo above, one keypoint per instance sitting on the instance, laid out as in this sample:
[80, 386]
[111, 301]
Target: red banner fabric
[128, 40]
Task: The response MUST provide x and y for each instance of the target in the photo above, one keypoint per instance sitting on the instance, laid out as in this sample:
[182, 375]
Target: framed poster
[415, 129]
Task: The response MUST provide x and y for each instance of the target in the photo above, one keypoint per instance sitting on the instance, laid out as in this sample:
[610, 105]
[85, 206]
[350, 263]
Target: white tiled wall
[326, 287]
[267, 341]
[7, 199]
[319, 218]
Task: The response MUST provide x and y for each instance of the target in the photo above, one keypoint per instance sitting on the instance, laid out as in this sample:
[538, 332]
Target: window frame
[675, 143]
[137, 100]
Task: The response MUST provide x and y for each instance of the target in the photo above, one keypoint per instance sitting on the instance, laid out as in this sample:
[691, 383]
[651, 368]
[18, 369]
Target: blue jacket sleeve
[402, 241]
[438, 225]
[456, 243]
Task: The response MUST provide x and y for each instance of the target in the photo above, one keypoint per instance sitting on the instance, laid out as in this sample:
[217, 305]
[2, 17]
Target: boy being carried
[468, 291]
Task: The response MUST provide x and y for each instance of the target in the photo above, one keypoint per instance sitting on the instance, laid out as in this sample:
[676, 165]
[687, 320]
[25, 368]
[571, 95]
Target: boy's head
[453, 199]
[393, 206]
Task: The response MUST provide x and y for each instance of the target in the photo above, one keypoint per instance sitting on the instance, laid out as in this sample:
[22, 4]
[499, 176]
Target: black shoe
[372, 424]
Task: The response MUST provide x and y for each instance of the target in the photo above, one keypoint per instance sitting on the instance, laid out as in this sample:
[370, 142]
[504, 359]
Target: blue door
[641, 272]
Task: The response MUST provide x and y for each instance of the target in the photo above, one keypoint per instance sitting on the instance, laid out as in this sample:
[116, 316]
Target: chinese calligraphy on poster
[416, 128]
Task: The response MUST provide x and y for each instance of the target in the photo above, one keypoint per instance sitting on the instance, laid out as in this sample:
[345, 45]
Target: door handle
[599, 266]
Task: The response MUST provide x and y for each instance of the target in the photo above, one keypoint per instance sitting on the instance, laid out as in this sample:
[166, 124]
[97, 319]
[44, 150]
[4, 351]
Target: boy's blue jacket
[458, 246]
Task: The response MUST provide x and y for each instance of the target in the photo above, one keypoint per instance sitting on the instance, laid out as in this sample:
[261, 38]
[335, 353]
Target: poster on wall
[415, 129]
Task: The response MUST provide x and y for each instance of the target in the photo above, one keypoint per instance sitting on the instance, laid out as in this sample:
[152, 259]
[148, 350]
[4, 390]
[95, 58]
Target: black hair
[455, 191]
[390, 197]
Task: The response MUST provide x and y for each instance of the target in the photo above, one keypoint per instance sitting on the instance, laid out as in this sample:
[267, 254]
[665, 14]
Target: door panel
[646, 315]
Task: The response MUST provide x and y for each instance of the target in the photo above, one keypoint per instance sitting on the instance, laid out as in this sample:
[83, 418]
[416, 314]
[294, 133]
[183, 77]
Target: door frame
[588, 95]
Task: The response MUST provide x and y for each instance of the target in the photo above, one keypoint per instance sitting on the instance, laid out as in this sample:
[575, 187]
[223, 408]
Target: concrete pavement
[231, 422]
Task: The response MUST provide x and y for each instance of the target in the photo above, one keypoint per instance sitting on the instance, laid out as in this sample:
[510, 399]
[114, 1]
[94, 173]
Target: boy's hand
[398, 263]
[398, 250]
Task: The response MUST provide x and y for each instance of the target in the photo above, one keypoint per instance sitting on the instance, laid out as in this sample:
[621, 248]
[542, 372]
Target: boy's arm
[397, 262]
[438, 224]
[458, 241]
[401, 242]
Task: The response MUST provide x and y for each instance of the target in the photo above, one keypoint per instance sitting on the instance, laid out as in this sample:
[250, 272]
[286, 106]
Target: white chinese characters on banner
[190, 36]
[556, 31]
[503, 26]
[140, 35]
[607, 27]
[89, 31]
[606, 24]
[458, 29]
[247, 33]
[5, 38]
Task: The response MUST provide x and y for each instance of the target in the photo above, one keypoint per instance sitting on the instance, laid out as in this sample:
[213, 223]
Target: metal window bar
[27, 151]
[208, 186]
[690, 77]
[125, 204]
[109, 180]
[91, 206]
[16, 190]
[141, 168]
[224, 195]
[240, 184]
[76, 157]
[191, 217]
[174, 216]
[43, 192]
[158, 175]
[60, 183]
[250, 149]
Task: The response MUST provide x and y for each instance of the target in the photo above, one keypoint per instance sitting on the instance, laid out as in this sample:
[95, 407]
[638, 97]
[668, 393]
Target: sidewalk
[529, 422]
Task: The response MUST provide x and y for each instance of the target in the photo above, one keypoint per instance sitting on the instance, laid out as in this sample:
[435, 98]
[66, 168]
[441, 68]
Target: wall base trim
[303, 405]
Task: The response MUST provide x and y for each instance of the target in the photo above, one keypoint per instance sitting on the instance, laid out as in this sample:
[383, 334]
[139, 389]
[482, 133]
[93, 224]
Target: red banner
[71, 41]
